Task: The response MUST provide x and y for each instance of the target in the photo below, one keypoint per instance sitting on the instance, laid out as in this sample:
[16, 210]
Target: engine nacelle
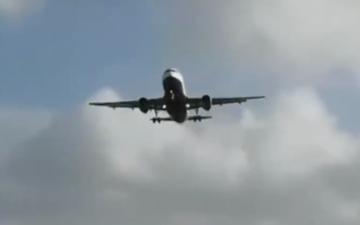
[144, 105]
[206, 102]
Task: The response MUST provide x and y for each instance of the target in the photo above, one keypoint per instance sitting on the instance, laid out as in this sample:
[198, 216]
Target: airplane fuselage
[175, 95]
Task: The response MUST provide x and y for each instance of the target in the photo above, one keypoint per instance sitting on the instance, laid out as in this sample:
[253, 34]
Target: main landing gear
[197, 117]
[156, 118]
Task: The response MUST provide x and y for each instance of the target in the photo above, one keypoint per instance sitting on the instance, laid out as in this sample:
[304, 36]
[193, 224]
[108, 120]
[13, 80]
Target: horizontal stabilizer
[198, 118]
[157, 119]
[193, 118]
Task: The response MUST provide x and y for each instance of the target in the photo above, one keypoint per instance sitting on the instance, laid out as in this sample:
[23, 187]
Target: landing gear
[156, 118]
[197, 117]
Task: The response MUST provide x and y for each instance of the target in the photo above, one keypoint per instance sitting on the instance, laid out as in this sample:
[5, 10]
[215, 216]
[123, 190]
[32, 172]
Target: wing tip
[94, 103]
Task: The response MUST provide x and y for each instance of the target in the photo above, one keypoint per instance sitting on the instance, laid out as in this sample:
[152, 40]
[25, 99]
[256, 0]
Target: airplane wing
[197, 102]
[221, 101]
[156, 103]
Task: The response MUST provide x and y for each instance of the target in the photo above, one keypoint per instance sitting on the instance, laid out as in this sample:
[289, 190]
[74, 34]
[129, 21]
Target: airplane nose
[171, 81]
[168, 74]
[172, 74]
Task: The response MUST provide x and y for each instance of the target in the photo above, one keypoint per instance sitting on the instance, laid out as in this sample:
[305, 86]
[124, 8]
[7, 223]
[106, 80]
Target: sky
[291, 159]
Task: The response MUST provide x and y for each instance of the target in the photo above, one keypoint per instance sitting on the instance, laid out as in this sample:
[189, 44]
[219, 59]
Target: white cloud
[18, 125]
[15, 10]
[96, 165]
[297, 40]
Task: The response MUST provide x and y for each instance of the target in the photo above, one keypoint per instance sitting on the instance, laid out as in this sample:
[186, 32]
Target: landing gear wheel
[156, 119]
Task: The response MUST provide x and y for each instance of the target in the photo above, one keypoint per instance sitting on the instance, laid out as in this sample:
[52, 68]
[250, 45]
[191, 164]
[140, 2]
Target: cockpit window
[170, 70]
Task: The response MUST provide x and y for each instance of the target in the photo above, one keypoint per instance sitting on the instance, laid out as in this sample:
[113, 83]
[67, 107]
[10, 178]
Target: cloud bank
[289, 164]
[302, 41]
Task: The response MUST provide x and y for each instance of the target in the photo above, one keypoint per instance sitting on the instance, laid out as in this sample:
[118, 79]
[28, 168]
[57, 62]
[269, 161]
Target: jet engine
[206, 102]
[143, 105]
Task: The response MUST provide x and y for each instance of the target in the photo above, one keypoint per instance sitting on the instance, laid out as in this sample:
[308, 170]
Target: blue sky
[60, 56]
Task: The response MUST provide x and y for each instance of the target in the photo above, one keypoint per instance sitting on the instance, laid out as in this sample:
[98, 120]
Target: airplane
[175, 101]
